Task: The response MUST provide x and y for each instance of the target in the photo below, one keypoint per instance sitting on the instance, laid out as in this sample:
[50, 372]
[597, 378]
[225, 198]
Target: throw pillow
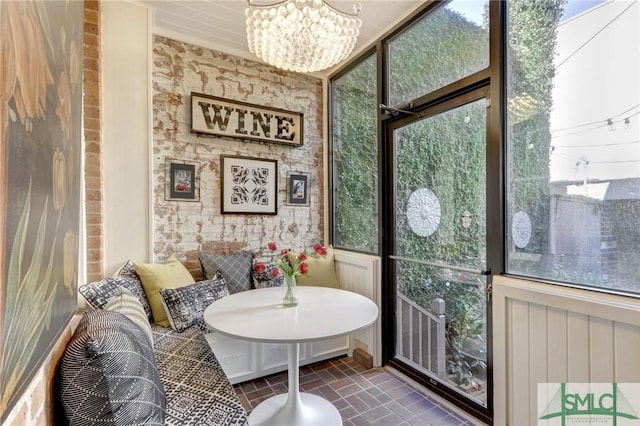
[264, 279]
[235, 268]
[185, 306]
[129, 269]
[321, 273]
[172, 274]
[98, 293]
[108, 374]
[127, 303]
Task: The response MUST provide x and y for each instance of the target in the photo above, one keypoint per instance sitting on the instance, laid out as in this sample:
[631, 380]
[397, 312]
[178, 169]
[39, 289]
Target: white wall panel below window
[553, 334]
[360, 273]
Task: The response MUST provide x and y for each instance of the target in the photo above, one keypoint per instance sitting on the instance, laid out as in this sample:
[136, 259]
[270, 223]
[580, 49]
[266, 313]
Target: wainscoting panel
[628, 352]
[360, 273]
[552, 334]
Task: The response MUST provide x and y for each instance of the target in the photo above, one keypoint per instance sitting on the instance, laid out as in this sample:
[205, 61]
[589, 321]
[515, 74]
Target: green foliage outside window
[446, 153]
[440, 48]
[531, 46]
[355, 158]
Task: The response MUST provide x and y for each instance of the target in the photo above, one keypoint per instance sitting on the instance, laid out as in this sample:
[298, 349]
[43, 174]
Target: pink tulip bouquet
[290, 267]
[287, 268]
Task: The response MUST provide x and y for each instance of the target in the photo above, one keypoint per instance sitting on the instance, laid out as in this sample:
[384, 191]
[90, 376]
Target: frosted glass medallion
[423, 212]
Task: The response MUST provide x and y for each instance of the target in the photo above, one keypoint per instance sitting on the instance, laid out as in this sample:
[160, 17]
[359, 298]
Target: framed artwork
[181, 180]
[297, 189]
[40, 190]
[249, 185]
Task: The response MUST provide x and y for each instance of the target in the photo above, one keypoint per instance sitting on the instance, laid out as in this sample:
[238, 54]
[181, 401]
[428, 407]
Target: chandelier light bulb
[301, 35]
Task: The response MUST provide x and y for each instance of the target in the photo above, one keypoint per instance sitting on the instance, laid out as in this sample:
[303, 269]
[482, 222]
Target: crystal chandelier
[301, 35]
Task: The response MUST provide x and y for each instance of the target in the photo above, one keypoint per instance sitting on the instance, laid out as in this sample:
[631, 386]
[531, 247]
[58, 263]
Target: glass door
[437, 258]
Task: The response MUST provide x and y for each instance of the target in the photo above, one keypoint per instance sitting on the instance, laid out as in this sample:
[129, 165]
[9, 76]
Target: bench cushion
[196, 387]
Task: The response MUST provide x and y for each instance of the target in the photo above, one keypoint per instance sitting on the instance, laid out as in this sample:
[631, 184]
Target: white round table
[322, 313]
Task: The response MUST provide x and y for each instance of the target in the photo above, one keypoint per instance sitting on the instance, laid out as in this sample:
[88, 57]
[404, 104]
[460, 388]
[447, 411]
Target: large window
[355, 158]
[440, 48]
[573, 142]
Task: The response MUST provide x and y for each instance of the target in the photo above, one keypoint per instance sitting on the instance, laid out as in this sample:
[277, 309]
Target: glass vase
[289, 292]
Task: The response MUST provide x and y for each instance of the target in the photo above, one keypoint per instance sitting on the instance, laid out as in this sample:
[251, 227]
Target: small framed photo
[181, 180]
[249, 185]
[298, 189]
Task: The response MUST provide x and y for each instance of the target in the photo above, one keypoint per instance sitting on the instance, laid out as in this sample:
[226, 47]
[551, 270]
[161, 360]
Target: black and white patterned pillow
[264, 279]
[235, 268]
[108, 374]
[98, 293]
[185, 306]
[129, 269]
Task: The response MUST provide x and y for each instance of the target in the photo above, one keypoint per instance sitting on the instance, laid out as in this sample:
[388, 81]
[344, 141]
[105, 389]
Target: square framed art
[181, 180]
[298, 189]
[249, 185]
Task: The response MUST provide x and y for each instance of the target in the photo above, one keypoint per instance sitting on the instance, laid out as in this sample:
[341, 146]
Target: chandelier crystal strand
[301, 35]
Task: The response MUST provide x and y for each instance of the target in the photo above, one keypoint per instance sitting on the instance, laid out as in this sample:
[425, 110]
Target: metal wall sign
[223, 117]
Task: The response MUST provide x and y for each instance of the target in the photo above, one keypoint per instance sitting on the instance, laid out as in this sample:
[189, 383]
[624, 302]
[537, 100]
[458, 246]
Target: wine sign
[222, 117]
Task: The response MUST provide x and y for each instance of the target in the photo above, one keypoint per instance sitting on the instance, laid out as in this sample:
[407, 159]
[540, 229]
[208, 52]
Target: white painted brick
[187, 226]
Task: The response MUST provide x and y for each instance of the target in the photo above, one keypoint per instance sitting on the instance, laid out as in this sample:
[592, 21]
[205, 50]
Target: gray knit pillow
[108, 374]
[234, 268]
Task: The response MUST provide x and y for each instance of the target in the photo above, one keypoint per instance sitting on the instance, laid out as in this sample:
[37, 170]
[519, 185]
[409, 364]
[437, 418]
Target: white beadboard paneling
[627, 353]
[519, 359]
[360, 273]
[220, 24]
[578, 347]
[601, 350]
[538, 354]
[545, 333]
[596, 304]
[503, 346]
[557, 345]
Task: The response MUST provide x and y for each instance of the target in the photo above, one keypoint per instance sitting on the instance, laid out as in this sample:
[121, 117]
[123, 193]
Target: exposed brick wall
[186, 228]
[93, 141]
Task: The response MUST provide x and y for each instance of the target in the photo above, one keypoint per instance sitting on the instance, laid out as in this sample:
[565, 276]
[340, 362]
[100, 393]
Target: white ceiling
[220, 24]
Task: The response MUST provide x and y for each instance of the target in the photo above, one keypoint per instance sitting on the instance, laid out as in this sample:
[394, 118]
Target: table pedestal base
[311, 410]
[295, 408]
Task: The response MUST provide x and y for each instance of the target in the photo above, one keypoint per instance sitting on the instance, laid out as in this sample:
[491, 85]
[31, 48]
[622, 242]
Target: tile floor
[363, 397]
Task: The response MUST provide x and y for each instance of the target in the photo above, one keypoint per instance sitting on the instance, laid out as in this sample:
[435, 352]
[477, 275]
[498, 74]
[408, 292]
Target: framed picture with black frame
[298, 188]
[249, 185]
[181, 180]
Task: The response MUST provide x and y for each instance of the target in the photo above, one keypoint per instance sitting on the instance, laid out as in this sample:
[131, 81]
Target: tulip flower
[259, 267]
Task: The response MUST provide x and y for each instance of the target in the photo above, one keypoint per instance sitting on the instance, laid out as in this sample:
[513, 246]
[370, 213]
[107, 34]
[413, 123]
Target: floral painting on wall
[40, 183]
